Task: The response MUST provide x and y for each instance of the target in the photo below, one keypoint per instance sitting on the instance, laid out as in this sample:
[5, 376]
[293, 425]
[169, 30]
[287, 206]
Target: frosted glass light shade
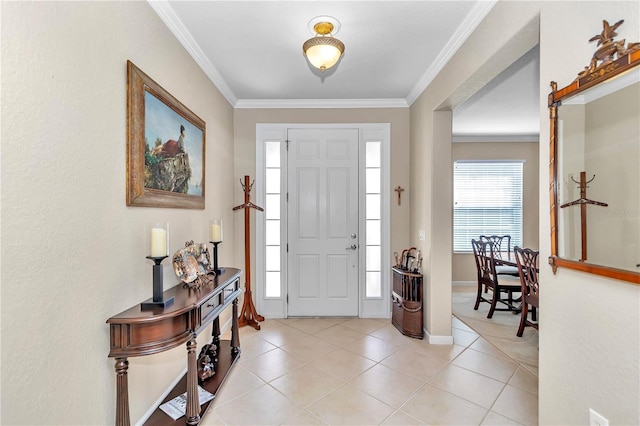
[323, 52]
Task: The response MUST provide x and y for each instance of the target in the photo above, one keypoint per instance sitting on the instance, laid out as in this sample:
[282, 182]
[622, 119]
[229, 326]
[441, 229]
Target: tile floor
[337, 371]
[500, 330]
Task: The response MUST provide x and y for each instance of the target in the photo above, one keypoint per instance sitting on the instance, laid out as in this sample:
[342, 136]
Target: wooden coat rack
[583, 201]
[248, 315]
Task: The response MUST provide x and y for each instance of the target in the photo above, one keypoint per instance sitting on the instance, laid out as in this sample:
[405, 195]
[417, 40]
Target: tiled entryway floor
[337, 371]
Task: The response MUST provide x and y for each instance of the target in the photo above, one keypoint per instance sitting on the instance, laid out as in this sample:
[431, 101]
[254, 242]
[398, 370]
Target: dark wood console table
[135, 332]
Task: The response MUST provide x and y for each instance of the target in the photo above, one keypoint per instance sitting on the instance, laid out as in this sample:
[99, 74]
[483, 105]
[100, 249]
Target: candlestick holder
[158, 299]
[216, 269]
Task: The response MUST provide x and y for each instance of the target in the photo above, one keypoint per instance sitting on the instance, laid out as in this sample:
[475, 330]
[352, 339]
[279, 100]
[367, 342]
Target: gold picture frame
[604, 75]
[165, 147]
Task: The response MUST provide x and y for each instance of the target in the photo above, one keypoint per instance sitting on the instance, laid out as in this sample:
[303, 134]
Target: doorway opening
[323, 239]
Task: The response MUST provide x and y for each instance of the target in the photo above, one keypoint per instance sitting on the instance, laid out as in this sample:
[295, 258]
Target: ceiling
[252, 51]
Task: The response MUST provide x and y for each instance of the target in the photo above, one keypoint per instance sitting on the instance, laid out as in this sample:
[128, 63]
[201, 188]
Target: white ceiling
[252, 51]
[507, 108]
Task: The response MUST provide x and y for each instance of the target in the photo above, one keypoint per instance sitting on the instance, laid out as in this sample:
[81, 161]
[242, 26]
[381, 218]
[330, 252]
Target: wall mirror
[595, 163]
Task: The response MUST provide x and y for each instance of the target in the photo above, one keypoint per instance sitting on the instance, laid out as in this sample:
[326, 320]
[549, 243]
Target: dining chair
[501, 245]
[488, 280]
[527, 261]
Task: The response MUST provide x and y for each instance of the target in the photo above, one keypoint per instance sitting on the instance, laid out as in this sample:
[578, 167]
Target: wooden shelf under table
[226, 361]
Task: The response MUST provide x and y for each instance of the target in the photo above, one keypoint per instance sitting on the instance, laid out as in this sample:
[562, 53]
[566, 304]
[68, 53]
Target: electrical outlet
[422, 235]
[596, 419]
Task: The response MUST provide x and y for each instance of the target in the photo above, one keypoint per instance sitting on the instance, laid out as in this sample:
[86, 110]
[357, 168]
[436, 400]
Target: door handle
[352, 247]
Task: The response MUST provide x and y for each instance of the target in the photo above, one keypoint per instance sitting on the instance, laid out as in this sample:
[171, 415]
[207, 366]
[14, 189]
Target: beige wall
[508, 32]
[589, 326]
[73, 254]
[245, 158]
[464, 267]
[590, 347]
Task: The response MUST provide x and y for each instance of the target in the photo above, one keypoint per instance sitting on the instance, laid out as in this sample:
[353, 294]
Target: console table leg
[235, 338]
[122, 392]
[215, 334]
[193, 403]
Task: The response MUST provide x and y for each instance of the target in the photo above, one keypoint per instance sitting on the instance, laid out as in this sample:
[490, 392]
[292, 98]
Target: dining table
[506, 260]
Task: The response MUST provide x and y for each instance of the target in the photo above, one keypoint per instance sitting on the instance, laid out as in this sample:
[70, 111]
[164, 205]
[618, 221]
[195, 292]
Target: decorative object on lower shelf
[177, 407]
[207, 361]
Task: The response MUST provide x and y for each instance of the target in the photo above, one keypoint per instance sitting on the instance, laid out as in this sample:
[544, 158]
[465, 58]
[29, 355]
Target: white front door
[323, 222]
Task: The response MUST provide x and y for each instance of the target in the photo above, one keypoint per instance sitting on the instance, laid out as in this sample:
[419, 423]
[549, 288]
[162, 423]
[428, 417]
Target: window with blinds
[487, 200]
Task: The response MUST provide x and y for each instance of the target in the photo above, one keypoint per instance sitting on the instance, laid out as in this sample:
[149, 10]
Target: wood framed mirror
[595, 163]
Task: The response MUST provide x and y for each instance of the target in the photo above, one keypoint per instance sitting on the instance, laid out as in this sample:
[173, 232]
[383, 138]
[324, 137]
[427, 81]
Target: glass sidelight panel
[272, 219]
[373, 208]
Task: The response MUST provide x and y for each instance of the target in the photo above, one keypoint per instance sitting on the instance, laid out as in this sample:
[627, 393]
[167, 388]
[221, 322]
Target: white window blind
[487, 200]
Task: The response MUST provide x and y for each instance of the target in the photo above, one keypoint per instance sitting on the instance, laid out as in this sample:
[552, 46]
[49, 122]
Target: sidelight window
[373, 208]
[272, 219]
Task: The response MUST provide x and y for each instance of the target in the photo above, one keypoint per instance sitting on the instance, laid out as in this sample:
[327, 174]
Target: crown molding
[321, 103]
[528, 137]
[166, 13]
[479, 12]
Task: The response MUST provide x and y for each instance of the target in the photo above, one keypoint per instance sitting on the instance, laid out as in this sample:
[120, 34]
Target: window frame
[516, 202]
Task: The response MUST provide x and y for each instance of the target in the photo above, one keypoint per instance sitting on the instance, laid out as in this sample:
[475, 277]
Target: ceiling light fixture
[323, 50]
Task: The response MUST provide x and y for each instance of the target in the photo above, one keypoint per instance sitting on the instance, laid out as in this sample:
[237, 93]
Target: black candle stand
[158, 300]
[217, 270]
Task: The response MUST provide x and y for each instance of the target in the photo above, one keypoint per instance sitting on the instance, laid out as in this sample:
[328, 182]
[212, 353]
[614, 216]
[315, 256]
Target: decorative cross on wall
[399, 190]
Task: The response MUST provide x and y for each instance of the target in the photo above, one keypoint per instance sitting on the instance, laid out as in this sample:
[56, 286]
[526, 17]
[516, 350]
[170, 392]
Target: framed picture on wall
[165, 147]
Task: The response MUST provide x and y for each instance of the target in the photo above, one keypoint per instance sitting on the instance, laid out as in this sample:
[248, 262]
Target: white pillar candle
[158, 242]
[216, 230]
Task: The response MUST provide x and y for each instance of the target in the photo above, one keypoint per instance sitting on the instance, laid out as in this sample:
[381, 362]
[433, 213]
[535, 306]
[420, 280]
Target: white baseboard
[156, 404]
[381, 316]
[438, 340]
[223, 329]
[463, 283]
[226, 326]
